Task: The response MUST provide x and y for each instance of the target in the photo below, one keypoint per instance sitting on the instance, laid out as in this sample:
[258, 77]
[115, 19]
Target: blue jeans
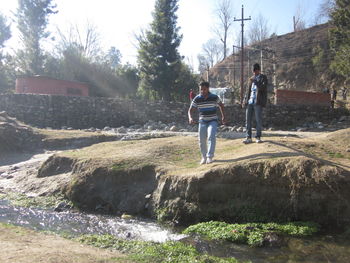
[207, 137]
[258, 118]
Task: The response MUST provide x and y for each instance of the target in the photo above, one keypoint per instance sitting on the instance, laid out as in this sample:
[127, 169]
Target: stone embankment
[275, 181]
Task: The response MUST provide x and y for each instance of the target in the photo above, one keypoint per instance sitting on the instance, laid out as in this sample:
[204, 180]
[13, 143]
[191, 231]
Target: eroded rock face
[293, 189]
[109, 190]
[285, 189]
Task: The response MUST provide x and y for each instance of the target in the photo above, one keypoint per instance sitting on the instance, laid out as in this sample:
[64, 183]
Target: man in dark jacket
[254, 101]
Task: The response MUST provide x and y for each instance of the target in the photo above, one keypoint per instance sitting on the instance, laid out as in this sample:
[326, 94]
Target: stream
[319, 249]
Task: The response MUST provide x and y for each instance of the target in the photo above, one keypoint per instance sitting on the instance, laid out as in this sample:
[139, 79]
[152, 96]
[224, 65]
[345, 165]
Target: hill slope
[301, 58]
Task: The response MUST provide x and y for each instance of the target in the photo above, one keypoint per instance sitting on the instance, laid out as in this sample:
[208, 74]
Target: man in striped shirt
[206, 103]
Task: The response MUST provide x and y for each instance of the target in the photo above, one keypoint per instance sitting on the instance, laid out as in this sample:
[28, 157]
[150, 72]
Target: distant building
[294, 97]
[50, 86]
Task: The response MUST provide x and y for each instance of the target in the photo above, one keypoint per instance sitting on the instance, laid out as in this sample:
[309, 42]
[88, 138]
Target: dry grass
[180, 155]
[66, 134]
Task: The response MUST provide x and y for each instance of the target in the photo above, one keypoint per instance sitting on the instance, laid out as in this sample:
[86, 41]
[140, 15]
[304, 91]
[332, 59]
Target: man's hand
[190, 120]
[223, 120]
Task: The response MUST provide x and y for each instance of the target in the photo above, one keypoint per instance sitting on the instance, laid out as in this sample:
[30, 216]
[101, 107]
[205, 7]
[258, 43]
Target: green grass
[252, 233]
[17, 199]
[150, 252]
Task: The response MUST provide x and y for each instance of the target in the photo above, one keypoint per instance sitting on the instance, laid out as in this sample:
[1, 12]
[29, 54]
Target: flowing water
[76, 223]
[320, 249]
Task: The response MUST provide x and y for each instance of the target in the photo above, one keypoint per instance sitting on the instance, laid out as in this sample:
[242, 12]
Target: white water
[81, 223]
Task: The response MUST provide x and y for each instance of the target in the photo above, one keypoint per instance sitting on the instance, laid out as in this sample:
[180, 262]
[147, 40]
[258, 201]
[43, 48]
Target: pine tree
[5, 31]
[158, 57]
[32, 16]
[340, 38]
[5, 73]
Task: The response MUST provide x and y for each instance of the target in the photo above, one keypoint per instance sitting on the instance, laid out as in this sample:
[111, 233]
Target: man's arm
[190, 111]
[246, 92]
[221, 107]
[263, 85]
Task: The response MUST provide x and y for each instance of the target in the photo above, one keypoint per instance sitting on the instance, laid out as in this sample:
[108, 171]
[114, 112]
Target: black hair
[256, 66]
[204, 84]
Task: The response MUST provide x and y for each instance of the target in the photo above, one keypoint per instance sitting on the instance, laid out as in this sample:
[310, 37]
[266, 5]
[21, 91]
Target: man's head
[204, 88]
[256, 69]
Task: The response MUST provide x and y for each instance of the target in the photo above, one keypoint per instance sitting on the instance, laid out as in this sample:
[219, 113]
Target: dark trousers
[257, 109]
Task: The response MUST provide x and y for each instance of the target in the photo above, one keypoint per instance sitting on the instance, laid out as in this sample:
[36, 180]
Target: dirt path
[20, 245]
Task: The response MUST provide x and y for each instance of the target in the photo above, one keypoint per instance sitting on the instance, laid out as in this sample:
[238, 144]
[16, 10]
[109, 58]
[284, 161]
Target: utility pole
[294, 24]
[274, 70]
[234, 64]
[242, 50]
[208, 73]
[261, 60]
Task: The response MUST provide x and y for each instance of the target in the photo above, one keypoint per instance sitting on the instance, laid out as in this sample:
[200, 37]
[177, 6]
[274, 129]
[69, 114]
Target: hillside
[301, 60]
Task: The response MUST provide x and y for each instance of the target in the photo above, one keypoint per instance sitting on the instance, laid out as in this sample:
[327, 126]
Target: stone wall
[85, 112]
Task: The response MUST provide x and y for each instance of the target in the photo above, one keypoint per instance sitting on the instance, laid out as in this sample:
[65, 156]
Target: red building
[294, 97]
[51, 86]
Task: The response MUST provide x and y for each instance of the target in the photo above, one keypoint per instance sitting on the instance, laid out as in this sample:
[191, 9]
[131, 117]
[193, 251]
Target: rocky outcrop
[276, 190]
[282, 189]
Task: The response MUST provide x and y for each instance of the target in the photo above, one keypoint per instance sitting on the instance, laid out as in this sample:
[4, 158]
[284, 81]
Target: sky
[119, 20]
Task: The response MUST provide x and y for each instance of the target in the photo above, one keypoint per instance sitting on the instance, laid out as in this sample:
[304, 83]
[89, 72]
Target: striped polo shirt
[207, 107]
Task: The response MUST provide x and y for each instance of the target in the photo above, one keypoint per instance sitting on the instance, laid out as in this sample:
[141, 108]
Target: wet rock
[63, 206]
[224, 128]
[240, 129]
[301, 129]
[173, 128]
[121, 130]
[272, 239]
[14, 168]
[126, 216]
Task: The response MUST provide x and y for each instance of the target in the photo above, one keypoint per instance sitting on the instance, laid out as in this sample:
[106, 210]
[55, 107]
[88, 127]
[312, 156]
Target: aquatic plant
[253, 234]
[142, 251]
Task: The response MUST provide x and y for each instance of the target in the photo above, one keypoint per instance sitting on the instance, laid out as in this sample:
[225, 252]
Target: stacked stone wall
[85, 112]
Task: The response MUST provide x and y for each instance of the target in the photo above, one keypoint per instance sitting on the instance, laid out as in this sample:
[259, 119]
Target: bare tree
[203, 64]
[298, 19]
[324, 10]
[86, 41]
[258, 30]
[224, 14]
[212, 51]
